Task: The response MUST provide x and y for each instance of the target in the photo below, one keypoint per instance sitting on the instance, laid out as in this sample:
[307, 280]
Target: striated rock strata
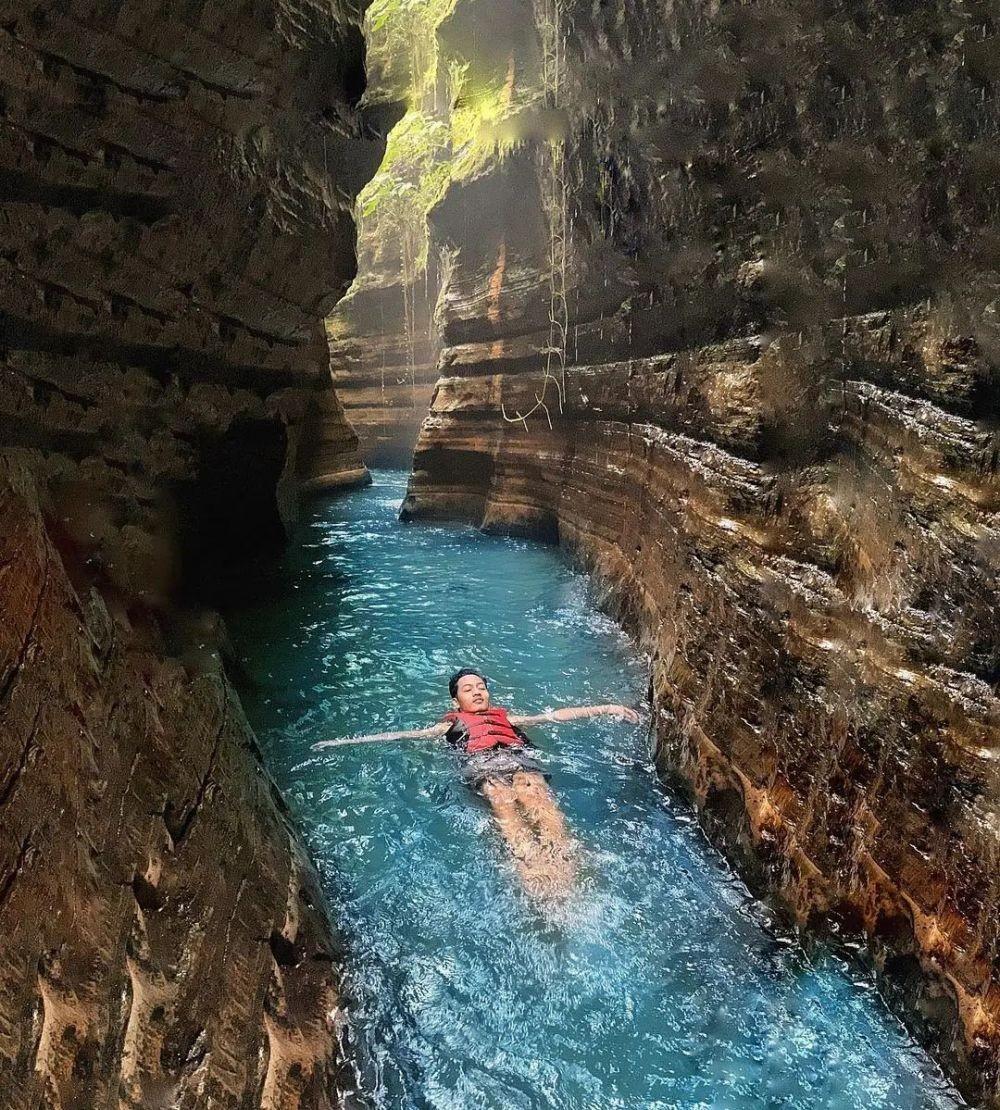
[383, 342]
[164, 936]
[176, 214]
[730, 338]
[385, 371]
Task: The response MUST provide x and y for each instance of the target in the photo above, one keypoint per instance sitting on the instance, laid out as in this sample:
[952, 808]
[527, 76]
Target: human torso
[480, 732]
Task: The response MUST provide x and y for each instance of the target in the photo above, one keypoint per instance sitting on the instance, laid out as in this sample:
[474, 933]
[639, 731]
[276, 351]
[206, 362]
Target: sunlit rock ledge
[177, 220]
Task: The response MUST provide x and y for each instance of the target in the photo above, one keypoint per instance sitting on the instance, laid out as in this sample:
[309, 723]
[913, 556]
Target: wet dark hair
[453, 681]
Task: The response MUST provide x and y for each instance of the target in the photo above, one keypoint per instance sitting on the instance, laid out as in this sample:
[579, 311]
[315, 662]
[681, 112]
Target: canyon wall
[383, 351]
[722, 322]
[176, 210]
[382, 335]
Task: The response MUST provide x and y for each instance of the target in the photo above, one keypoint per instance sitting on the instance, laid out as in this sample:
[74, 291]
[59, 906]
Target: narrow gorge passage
[666, 985]
[708, 292]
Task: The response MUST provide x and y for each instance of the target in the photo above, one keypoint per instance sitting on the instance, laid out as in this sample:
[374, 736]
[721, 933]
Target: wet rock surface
[737, 354]
[176, 222]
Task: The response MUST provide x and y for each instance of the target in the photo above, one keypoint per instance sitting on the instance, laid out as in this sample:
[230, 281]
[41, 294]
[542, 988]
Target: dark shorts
[498, 763]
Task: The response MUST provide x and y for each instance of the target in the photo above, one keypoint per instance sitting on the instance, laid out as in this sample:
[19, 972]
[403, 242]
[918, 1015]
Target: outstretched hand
[431, 733]
[575, 713]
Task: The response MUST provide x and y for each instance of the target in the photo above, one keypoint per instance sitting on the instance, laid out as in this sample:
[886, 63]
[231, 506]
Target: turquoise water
[664, 985]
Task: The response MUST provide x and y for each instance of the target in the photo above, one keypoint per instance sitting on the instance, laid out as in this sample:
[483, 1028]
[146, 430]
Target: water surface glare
[665, 986]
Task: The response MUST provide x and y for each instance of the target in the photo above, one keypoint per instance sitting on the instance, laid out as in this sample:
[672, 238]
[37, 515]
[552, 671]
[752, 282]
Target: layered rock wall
[382, 336]
[165, 940]
[384, 368]
[176, 218]
[731, 339]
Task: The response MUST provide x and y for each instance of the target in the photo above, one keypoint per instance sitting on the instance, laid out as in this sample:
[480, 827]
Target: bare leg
[532, 791]
[519, 835]
[544, 873]
[557, 867]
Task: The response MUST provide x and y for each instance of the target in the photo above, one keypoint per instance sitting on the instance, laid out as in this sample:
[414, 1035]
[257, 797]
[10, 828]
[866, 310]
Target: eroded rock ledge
[176, 222]
[775, 443]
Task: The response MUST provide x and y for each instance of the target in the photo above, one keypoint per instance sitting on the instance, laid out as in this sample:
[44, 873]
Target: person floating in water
[497, 762]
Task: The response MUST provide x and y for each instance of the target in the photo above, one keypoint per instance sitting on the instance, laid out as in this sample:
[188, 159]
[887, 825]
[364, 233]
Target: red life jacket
[491, 729]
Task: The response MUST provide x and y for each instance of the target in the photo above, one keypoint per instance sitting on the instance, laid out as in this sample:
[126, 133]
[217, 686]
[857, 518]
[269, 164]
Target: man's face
[471, 695]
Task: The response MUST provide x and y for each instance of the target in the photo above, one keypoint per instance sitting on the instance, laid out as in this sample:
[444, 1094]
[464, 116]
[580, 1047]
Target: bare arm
[414, 734]
[576, 712]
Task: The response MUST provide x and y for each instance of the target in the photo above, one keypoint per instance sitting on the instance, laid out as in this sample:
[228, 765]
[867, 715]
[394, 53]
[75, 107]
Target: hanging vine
[392, 209]
[555, 204]
[436, 144]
